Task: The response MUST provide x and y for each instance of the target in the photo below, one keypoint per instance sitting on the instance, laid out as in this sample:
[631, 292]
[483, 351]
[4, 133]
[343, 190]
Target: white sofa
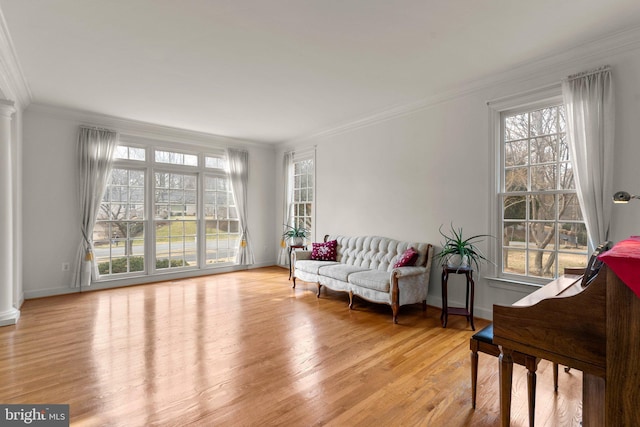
[364, 267]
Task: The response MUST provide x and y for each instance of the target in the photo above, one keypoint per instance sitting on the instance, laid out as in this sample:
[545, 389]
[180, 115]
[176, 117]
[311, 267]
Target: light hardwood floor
[244, 349]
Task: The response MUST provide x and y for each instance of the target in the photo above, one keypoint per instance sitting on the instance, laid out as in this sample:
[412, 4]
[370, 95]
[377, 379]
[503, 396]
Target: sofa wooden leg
[350, 300]
[319, 287]
[424, 305]
[395, 308]
[294, 282]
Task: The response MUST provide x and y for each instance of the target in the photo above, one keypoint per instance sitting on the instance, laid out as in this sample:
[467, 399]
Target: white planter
[296, 241]
[457, 261]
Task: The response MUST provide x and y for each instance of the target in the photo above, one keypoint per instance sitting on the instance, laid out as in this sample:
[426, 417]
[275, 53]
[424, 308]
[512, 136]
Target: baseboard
[9, 317]
[118, 283]
[479, 312]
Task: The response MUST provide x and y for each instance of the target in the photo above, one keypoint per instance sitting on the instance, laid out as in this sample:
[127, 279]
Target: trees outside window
[542, 226]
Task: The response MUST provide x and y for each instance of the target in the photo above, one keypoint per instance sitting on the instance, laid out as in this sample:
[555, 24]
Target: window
[303, 173]
[541, 224]
[221, 221]
[176, 220]
[175, 208]
[119, 231]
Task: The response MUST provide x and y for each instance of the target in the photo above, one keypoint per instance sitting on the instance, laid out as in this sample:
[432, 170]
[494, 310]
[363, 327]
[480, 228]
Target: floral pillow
[408, 257]
[326, 251]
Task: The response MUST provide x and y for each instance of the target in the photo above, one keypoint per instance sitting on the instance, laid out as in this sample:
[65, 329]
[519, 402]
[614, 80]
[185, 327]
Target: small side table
[291, 249]
[467, 311]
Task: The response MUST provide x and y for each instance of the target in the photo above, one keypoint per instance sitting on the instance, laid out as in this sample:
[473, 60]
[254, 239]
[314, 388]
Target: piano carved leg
[506, 374]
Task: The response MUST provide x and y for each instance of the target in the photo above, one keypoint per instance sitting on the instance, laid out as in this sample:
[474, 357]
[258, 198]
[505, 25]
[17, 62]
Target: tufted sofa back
[375, 252]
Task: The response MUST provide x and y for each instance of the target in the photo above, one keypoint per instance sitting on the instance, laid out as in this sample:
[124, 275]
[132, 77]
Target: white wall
[405, 175]
[51, 220]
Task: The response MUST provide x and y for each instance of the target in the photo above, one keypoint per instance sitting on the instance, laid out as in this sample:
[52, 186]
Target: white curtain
[589, 104]
[287, 200]
[95, 150]
[239, 175]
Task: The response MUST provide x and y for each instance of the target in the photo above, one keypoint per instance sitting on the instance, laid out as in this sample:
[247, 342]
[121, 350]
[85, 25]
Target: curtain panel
[589, 103]
[287, 200]
[95, 148]
[239, 176]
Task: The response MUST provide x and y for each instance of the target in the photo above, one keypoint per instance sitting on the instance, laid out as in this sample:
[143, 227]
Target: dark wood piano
[595, 329]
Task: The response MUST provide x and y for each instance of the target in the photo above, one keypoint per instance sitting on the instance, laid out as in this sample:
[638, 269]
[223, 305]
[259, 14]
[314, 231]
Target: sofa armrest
[408, 271]
[299, 255]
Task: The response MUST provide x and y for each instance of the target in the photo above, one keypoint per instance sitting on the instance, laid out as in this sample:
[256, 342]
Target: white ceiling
[275, 70]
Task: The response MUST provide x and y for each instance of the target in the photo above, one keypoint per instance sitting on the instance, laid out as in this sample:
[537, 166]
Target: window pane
[516, 153]
[543, 177]
[542, 234]
[565, 177]
[569, 207]
[122, 152]
[215, 162]
[542, 264]
[516, 179]
[513, 261]
[573, 237]
[516, 127]
[137, 153]
[515, 234]
[544, 121]
[129, 153]
[542, 207]
[571, 260]
[543, 150]
[190, 182]
[515, 207]
[176, 181]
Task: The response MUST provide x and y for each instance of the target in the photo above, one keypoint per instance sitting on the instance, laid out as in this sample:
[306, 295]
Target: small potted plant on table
[460, 252]
[295, 235]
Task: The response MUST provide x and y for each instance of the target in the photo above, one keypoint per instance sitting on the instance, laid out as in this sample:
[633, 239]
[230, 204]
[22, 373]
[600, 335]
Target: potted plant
[460, 252]
[296, 235]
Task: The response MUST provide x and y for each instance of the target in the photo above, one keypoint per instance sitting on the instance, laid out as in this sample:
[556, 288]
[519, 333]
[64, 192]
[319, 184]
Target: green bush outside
[136, 263]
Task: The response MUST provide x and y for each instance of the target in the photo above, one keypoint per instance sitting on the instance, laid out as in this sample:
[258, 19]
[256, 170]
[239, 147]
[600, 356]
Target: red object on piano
[624, 260]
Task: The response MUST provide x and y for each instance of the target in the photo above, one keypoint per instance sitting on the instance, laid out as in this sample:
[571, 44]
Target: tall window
[303, 174]
[176, 219]
[153, 209]
[119, 231]
[542, 228]
[221, 220]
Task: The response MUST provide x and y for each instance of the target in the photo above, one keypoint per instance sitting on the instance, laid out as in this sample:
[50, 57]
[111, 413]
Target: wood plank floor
[244, 349]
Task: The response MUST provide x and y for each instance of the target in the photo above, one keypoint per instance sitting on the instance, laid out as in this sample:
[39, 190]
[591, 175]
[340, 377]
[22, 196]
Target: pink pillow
[325, 251]
[408, 257]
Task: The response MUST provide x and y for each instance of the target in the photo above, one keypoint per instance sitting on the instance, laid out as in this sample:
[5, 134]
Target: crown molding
[561, 62]
[13, 83]
[144, 130]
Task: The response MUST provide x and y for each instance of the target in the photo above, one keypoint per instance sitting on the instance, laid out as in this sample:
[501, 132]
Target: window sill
[513, 285]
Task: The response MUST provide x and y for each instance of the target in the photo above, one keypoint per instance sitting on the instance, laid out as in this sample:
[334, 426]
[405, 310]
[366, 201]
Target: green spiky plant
[291, 232]
[456, 244]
